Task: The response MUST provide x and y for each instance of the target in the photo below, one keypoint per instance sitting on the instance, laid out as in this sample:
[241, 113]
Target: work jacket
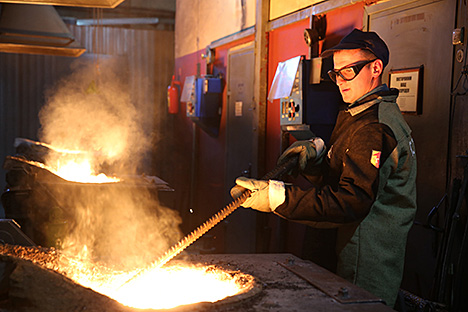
[367, 190]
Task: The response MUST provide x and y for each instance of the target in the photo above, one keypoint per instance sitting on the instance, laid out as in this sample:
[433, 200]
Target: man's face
[366, 80]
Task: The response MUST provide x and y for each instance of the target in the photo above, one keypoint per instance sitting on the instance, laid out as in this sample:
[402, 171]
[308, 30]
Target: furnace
[282, 282]
[53, 211]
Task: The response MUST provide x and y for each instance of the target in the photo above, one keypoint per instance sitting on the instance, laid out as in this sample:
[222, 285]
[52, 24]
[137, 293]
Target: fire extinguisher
[173, 96]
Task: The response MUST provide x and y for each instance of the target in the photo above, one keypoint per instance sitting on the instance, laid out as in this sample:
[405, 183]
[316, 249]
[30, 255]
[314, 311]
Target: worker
[364, 183]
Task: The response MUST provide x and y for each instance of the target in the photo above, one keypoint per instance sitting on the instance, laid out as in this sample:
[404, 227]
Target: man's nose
[339, 80]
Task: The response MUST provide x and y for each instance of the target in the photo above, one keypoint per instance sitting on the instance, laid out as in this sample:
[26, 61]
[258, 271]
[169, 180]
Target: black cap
[358, 39]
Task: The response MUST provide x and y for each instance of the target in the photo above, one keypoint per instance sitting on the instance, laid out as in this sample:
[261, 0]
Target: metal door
[240, 226]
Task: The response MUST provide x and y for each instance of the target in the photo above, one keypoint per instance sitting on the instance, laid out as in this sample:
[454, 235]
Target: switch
[458, 36]
[190, 108]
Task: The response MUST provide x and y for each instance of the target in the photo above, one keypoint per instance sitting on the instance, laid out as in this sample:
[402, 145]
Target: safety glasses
[348, 72]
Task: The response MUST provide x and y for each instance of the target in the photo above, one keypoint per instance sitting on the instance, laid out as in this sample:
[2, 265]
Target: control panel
[208, 95]
[202, 96]
[309, 100]
[291, 106]
[188, 95]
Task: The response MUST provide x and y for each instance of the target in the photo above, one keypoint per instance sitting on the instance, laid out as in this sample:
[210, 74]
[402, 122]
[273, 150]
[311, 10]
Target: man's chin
[347, 101]
[346, 97]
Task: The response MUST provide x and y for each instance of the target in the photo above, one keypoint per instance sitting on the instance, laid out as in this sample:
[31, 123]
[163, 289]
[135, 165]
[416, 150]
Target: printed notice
[407, 83]
[238, 109]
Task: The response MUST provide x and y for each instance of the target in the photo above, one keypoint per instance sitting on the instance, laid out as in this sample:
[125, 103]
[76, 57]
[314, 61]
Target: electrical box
[208, 94]
[188, 95]
[309, 100]
[204, 100]
[291, 106]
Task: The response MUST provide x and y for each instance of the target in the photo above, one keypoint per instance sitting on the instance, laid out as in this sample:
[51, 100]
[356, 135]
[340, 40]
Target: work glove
[308, 151]
[266, 196]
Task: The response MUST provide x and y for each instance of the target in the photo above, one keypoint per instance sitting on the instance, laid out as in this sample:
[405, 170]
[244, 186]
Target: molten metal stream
[276, 173]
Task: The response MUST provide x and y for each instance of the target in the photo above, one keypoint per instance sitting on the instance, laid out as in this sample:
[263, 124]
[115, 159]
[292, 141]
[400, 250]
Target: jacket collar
[382, 92]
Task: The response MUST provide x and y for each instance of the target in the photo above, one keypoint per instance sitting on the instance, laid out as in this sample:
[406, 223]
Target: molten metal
[72, 170]
[81, 171]
[161, 288]
[155, 289]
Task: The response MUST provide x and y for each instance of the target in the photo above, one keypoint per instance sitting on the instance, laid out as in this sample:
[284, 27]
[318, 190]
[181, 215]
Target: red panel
[342, 21]
[288, 42]
[284, 43]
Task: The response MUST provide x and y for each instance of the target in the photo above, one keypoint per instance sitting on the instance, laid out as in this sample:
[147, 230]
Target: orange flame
[74, 170]
[161, 288]
[81, 171]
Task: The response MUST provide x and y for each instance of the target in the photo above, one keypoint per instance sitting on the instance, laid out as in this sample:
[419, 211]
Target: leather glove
[263, 197]
[309, 151]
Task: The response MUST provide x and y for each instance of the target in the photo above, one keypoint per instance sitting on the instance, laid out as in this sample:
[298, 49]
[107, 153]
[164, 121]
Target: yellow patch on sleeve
[375, 158]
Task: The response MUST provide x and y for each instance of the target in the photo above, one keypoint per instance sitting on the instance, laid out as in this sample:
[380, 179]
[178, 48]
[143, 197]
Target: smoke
[90, 118]
[91, 110]
[120, 226]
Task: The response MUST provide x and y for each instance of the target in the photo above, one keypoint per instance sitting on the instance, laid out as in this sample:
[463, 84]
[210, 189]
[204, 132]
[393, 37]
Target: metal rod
[276, 173]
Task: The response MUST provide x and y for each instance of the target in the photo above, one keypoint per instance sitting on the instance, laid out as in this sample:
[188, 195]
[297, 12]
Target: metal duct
[35, 29]
[75, 3]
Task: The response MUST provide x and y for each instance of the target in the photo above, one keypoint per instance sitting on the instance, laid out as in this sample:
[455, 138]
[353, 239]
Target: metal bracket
[334, 286]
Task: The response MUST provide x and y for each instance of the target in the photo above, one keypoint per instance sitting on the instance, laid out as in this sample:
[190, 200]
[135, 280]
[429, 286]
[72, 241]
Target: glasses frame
[357, 67]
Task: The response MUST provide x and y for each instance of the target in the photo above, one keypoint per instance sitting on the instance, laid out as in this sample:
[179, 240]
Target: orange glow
[160, 288]
[77, 170]
[74, 170]
[81, 171]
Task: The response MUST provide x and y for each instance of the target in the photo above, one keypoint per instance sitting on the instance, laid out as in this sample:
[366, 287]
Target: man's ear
[377, 68]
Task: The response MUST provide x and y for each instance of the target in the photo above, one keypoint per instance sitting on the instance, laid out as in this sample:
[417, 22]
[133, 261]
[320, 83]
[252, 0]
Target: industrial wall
[199, 158]
[200, 22]
[280, 8]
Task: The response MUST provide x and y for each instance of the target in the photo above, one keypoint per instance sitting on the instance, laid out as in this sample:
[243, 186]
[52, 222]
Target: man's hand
[309, 150]
[263, 197]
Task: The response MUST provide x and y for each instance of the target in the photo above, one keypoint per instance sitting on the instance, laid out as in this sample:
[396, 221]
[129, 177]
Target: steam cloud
[93, 112]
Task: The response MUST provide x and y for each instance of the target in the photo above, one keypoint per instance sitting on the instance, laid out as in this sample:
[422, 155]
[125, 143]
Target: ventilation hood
[109, 4]
[35, 29]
